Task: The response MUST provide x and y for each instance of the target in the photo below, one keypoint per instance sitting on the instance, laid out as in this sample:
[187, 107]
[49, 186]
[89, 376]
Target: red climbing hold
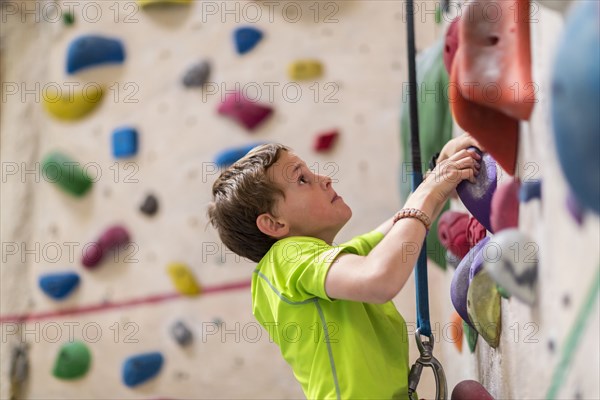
[475, 232]
[113, 237]
[505, 206]
[470, 390]
[325, 141]
[452, 231]
[247, 113]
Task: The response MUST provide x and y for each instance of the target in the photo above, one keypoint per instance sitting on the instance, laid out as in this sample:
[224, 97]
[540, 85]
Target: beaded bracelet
[413, 213]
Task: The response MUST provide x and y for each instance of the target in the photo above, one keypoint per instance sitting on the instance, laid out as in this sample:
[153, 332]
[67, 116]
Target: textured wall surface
[362, 46]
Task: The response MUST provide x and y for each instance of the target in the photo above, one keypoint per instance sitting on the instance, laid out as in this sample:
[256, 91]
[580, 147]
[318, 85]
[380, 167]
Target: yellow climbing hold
[145, 3]
[71, 104]
[305, 69]
[183, 279]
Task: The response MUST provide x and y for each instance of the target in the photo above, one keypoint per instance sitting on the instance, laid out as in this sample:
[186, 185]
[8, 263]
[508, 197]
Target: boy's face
[311, 206]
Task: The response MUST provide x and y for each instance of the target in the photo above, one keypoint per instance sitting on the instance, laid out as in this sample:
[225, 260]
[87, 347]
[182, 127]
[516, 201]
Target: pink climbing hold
[475, 232]
[470, 390]
[325, 141]
[112, 238]
[505, 206]
[247, 113]
[451, 44]
[452, 232]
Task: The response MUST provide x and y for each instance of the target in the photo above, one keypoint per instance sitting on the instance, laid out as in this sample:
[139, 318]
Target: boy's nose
[325, 181]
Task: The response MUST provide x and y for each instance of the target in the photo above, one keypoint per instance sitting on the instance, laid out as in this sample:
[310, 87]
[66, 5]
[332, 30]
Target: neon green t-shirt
[337, 349]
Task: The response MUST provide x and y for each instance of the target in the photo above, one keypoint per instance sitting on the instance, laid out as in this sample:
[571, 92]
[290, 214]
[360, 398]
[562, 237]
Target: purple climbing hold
[113, 237]
[246, 38]
[247, 113]
[477, 197]
[90, 50]
[478, 259]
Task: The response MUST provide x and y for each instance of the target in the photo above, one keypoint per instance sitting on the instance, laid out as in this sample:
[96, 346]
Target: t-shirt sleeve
[303, 266]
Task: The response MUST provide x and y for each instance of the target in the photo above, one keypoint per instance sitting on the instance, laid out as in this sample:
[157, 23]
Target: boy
[329, 307]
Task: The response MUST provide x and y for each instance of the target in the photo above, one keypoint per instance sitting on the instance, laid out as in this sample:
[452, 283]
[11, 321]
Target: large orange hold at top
[495, 67]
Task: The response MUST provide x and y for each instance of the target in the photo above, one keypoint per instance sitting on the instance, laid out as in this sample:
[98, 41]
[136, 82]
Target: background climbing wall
[362, 47]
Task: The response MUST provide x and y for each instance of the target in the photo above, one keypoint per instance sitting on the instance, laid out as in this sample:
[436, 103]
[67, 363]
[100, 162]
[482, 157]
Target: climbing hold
[451, 44]
[483, 305]
[247, 113]
[305, 69]
[471, 335]
[496, 54]
[73, 361]
[503, 292]
[530, 190]
[576, 101]
[460, 282]
[574, 208]
[71, 105]
[91, 50]
[452, 232]
[475, 232]
[478, 259]
[505, 206]
[125, 142]
[456, 322]
[325, 141]
[197, 75]
[515, 265]
[66, 173]
[59, 285]
[437, 131]
[246, 38]
[183, 279]
[68, 18]
[229, 156]
[111, 238]
[147, 3]
[141, 368]
[467, 390]
[150, 205]
[477, 197]
[181, 333]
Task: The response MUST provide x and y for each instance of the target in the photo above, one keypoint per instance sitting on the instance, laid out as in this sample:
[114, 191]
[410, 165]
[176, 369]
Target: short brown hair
[240, 194]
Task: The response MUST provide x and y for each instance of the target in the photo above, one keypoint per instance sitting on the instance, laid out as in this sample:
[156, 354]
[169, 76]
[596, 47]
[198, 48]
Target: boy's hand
[457, 144]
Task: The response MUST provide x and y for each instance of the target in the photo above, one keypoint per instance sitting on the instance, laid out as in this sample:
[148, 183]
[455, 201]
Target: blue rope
[422, 290]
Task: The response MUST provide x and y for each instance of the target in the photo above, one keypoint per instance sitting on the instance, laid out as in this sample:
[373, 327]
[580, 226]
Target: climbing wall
[127, 304]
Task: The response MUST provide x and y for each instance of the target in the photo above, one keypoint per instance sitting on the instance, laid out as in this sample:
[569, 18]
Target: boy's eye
[301, 179]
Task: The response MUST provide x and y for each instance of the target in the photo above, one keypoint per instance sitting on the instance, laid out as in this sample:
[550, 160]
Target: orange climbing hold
[495, 66]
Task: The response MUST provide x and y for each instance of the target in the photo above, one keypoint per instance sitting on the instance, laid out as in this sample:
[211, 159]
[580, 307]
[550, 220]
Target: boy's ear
[271, 226]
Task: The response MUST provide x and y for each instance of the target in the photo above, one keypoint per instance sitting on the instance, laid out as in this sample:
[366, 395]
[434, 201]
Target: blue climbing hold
[576, 101]
[59, 285]
[530, 190]
[91, 50]
[229, 156]
[141, 368]
[246, 39]
[125, 142]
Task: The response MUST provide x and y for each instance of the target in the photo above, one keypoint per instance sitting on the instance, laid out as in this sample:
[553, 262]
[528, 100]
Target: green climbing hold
[66, 173]
[503, 292]
[73, 361]
[471, 335]
[483, 306]
[435, 125]
[68, 18]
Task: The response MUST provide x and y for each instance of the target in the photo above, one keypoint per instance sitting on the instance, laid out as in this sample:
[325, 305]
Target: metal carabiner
[427, 360]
